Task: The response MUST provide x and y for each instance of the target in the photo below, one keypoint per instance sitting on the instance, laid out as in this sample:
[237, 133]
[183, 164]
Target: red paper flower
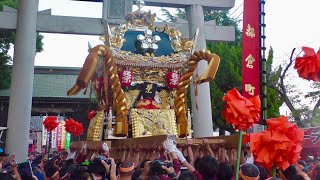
[50, 123]
[280, 144]
[91, 114]
[126, 78]
[241, 112]
[173, 80]
[308, 66]
[73, 127]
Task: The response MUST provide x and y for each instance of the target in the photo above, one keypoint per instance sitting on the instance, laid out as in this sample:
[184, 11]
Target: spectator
[224, 171]
[187, 176]
[3, 159]
[208, 167]
[249, 171]
[126, 170]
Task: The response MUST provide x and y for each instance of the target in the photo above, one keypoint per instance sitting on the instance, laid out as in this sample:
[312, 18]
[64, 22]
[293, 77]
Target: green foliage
[6, 41]
[316, 119]
[274, 101]
[228, 77]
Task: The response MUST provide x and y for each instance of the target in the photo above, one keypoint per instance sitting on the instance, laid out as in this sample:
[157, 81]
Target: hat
[3, 154]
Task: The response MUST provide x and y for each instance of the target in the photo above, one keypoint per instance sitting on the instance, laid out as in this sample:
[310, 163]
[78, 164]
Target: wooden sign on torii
[28, 21]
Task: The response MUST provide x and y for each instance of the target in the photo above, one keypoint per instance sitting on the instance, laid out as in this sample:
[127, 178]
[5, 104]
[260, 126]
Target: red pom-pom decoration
[280, 144]
[73, 127]
[173, 80]
[126, 78]
[50, 123]
[91, 115]
[308, 66]
[239, 111]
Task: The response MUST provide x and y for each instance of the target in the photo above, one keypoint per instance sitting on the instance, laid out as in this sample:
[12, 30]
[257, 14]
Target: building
[50, 88]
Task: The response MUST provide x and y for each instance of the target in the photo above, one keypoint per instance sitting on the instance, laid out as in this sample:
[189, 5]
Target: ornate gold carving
[173, 61]
[95, 127]
[153, 122]
[250, 31]
[250, 89]
[250, 60]
[139, 19]
[180, 101]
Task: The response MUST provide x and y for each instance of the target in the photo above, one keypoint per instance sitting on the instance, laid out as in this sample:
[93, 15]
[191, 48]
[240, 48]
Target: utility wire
[236, 10]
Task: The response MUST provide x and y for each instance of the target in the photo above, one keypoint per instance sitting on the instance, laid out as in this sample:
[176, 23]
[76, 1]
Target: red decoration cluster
[280, 144]
[126, 78]
[50, 123]
[239, 111]
[74, 127]
[308, 66]
[91, 115]
[173, 80]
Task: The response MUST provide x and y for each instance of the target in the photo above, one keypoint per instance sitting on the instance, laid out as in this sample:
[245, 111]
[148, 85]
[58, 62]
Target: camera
[98, 160]
[156, 167]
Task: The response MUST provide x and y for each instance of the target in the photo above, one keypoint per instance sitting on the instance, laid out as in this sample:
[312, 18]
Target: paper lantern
[126, 78]
[172, 80]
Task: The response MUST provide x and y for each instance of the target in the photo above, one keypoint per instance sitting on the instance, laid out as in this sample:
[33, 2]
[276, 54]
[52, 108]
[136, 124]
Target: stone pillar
[202, 117]
[22, 80]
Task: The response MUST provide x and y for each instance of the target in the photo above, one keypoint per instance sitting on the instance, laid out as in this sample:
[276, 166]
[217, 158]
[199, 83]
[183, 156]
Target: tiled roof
[53, 82]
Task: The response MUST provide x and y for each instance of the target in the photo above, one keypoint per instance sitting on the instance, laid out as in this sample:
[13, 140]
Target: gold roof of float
[143, 22]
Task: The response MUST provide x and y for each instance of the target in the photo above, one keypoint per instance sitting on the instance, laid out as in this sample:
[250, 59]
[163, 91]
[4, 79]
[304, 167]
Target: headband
[247, 177]
[127, 169]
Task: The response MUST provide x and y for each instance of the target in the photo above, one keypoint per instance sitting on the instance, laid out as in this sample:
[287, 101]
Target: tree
[6, 41]
[274, 101]
[300, 113]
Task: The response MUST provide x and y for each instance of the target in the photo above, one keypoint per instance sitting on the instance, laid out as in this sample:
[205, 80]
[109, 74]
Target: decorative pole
[238, 154]
[263, 63]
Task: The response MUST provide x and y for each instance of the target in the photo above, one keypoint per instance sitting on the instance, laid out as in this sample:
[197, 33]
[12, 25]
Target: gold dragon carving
[87, 73]
[180, 101]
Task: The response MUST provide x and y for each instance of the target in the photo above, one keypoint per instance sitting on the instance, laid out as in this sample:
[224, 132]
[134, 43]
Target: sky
[290, 24]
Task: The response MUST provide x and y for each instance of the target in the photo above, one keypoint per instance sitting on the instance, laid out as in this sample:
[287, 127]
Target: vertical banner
[58, 142]
[39, 141]
[63, 135]
[54, 138]
[44, 133]
[251, 48]
[68, 140]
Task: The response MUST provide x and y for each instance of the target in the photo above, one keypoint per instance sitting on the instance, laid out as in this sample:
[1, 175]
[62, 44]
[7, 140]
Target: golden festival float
[140, 77]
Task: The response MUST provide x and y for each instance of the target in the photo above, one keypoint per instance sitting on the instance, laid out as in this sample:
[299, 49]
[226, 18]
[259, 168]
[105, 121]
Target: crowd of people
[188, 162]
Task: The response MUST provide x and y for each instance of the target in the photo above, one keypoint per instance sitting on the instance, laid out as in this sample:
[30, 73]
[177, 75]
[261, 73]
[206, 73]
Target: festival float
[140, 77]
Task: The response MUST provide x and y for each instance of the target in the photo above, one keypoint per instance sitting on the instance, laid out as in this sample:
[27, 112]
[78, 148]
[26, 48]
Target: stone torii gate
[28, 21]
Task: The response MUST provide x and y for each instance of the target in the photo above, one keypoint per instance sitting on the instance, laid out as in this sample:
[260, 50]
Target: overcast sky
[290, 23]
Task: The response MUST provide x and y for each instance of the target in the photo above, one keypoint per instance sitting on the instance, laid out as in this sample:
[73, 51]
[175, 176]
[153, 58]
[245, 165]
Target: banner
[251, 49]
[68, 140]
[63, 135]
[58, 143]
[311, 138]
[54, 138]
[44, 133]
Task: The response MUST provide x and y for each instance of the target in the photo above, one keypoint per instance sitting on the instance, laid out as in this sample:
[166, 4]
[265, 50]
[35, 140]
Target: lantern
[126, 78]
[173, 80]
